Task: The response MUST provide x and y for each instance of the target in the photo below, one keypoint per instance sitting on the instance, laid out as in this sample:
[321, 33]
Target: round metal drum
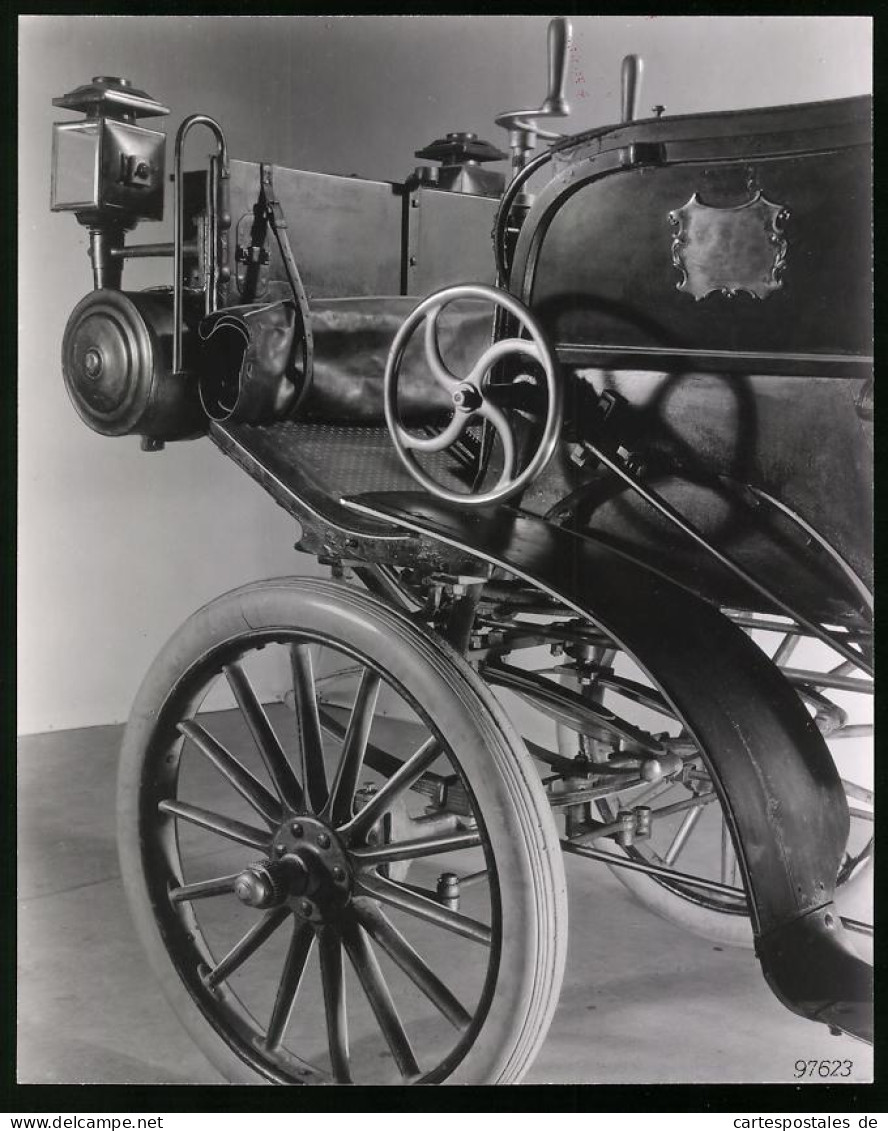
[116, 363]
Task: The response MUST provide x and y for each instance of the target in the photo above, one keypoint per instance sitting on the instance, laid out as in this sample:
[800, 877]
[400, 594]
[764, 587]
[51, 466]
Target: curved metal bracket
[219, 173]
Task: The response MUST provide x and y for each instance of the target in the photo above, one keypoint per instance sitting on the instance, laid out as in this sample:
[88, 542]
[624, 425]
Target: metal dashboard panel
[449, 240]
[345, 231]
[603, 256]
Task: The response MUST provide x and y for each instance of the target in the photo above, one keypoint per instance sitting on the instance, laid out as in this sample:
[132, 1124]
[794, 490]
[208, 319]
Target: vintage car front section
[641, 424]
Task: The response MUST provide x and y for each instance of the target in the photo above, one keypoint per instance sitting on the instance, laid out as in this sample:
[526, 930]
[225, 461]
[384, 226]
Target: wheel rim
[280, 871]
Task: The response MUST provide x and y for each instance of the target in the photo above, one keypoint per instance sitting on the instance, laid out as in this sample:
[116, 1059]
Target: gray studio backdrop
[116, 547]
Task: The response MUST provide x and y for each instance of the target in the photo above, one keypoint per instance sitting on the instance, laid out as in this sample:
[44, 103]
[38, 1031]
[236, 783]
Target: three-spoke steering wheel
[472, 395]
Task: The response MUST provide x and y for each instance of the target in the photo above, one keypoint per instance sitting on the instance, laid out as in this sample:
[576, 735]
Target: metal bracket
[643, 153]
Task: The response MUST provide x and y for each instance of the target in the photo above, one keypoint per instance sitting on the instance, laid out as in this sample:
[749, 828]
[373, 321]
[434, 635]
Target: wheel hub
[466, 397]
[308, 870]
[268, 883]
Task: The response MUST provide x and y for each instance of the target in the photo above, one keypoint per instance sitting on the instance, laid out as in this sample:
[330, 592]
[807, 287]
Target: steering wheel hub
[467, 398]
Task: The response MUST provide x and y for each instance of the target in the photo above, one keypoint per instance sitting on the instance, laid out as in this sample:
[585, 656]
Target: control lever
[523, 130]
[558, 45]
[630, 86]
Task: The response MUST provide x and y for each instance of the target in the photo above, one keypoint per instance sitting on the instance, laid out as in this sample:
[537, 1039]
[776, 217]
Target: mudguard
[782, 799]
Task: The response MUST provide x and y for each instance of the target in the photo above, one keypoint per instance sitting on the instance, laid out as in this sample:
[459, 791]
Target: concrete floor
[643, 1001]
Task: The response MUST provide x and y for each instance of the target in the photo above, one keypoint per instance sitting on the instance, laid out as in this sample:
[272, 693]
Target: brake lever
[519, 122]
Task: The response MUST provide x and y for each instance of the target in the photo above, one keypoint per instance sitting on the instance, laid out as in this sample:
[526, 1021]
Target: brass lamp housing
[107, 167]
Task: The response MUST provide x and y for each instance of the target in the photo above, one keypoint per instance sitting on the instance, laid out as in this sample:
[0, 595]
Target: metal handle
[554, 105]
[558, 43]
[630, 86]
[179, 225]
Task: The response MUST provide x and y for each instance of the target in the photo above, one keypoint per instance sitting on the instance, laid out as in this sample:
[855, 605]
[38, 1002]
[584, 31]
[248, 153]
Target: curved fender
[783, 801]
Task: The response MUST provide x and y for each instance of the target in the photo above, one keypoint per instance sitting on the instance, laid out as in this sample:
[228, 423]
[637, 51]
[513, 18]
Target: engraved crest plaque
[729, 250]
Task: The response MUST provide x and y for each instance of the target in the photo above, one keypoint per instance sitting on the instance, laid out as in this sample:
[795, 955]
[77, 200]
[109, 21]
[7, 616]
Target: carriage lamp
[107, 169]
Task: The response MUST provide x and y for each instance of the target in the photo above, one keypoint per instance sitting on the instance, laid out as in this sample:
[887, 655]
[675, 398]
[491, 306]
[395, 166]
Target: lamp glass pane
[75, 159]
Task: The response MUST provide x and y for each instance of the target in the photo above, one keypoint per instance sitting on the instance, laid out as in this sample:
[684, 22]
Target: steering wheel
[473, 396]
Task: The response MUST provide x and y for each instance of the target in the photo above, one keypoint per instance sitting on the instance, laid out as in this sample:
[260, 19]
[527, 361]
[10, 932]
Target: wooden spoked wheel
[264, 849]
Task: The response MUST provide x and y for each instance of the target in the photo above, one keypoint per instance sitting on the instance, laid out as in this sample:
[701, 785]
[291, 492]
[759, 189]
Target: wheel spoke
[385, 763]
[413, 849]
[221, 885]
[785, 648]
[401, 780]
[265, 804]
[498, 419]
[266, 740]
[386, 891]
[439, 370]
[330, 954]
[291, 979]
[367, 968]
[728, 858]
[311, 746]
[684, 831]
[496, 352]
[414, 966]
[215, 822]
[254, 938]
[858, 792]
[822, 680]
[354, 747]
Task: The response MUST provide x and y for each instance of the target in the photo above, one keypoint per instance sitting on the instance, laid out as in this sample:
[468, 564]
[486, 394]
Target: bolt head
[92, 363]
[306, 907]
[323, 840]
[339, 874]
[280, 849]
[253, 889]
[296, 829]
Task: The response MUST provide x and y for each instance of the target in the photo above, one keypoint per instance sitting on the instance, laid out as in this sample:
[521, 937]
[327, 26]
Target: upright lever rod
[630, 86]
[558, 44]
[523, 129]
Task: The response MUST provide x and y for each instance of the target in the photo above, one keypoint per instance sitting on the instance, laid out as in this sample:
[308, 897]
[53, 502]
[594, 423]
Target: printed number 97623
[822, 1068]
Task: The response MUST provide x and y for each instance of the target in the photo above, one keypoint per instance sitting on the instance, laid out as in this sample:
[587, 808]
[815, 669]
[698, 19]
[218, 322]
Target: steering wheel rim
[468, 396]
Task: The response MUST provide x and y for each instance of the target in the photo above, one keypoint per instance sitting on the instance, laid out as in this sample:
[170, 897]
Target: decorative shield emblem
[729, 250]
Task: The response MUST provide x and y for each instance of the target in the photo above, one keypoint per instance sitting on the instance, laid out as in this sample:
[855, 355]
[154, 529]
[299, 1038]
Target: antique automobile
[591, 469]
